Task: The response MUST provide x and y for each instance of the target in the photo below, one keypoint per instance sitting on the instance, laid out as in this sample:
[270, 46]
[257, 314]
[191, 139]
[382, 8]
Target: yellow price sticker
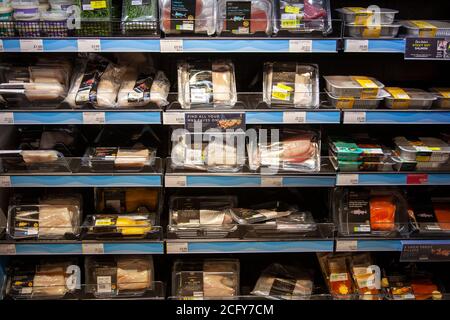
[345, 103]
[98, 4]
[426, 29]
[292, 9]
[288, 24]
[401, 98]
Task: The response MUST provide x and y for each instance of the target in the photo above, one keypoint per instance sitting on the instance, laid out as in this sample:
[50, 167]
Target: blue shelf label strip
[400, 179]
[380, 245]
[134, 248]
[56, 248]
[408, 117]
[255, 181]
[87, 181]
[276, 117]
[392, 45]
[264, 246]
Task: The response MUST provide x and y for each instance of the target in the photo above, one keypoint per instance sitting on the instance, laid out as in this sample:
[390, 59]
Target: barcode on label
[354, 117]
[94, 118]
[173, 118]
[7, 249]
[357, 45]
[31, 45]
[93, 248]
[346, 245]
[89, 45]
[177, 247]
[294, 117]
[6, 118]
[171, 45]
[175, 181]
[347, 179]
[5, 181]
[271, 181]
[300, 45]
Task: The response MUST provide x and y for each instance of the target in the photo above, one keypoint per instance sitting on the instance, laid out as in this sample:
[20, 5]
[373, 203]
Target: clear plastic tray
[429, 216]
[442, 97]
[422, 149]
[353, 86]
[359, 15]
[407, 98]
[381, 31]
[353, 103]
[426, 28]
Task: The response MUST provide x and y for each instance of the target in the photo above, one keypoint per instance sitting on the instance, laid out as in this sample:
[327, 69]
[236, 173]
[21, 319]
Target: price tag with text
[5, 182]
[354, 117]
[177, 247]
[6, 118]
[357, 45]
[271, 181]
[175, 181]
[300, 45]
[347, 179]
[89, 45]
[417, 178]
[92, 248]
[7, 249]
[2, 48]
[173, 118]
[346, 245]
[31, 45]
[171, 45]
[94, 118]
[294, 117]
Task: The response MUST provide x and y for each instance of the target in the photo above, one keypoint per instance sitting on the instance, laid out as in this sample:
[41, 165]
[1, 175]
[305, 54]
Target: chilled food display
[372, 31]
[107, 159]
[210, 278]
[291, 85]
[442, 97]
[367, 16]
[407, 98]
[426, 28]
[139, 17]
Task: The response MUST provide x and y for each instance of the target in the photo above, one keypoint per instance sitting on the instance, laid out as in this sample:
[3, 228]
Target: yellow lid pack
[345, 102]
[372, 31]
[369, 88]
[362, 15]
[426, 29]
[401, 98]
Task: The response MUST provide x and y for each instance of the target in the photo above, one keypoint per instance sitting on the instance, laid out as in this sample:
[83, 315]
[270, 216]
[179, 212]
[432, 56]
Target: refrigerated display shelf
[396, 117]
[392, 179]
[375, 45]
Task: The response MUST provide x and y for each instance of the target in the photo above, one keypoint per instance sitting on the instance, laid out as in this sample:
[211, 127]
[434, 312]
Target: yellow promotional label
[401, 98]
[372, 32]
[282, 92]
[98, 4]
[369, 88]
[292, 9]
[282, 86]
[434, 148]
[289, 24]
[104, 222]
[362, 16]
[345, 103]
[426, 29]
[423, 158]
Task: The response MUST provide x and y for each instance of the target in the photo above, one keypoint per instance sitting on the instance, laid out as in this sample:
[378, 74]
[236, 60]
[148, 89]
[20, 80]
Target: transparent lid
[425, 24]
[408, 93]
[422, 144]
[359, 10]
[441, 92]
[353, 82]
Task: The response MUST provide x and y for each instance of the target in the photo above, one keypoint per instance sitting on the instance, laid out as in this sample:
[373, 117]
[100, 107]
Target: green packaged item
[364, 149]
[95, 18]
[139, 16]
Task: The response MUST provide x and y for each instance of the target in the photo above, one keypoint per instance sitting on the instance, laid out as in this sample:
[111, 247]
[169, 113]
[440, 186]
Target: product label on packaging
[182, 15]
[436, 251]
[401, 98]
[372, 32]
[191, 284]
[26, 221]
[426, 29]
[141, 90]
[283, 83]
[22, 284]
[282, 92]
[87, 92]
[201, 86]
[238, 16]
[369, 88]
[114, 200]
[427, 48]
[282, 287]
[89, 5]
[106, 279]
[291, 16]
[358, 209]
[337, 277]
[221, 121]
[362, 15]
[345, 102]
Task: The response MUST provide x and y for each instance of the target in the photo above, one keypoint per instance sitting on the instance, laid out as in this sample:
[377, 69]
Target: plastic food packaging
[209, 278]
[296, 151]
[47, 280]
[117, 226]
[291, 84]
[57, 218]
[405, 98]
[287, 282]
[442, 97]
[365, 16]
[380, 212]
[126, 200]
[193, 217]
[243, 17]
[188, 16]
[426, 28]
[206, 84]
[355, 103]
[108, 87]
[6, 27]
[106, 159]
[429, 215]
[139, 17]
[337, 274]
[422, 149]
[267, 211]
[372, 31]
[300, 16]
[121, 276]
[353, 86]
[54, 24]
[61, 5]
[366, 276]
[25, 9]
[95, 18]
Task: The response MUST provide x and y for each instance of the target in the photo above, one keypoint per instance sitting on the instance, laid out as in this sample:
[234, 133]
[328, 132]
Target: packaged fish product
[363, 212]
[108, 87]
[261, 213]
[295, 151]
[442, 97]
[209, 278]
[291, 84]
[302, 16]
[126, 200]
[50, 279]
[286, 282]
[367, 16]
[208, 217]
[355, 103]
[206, 84]
[243, 17]
[108, 159]
[366, 276]
[386, 31]
[337, 274]
[353, 86]
[188, 16]
[120, 276]
[407, 98]
[429, 215]
[426, 28]
[422, 149]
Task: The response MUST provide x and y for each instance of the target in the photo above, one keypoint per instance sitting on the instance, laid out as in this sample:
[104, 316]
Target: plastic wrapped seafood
[426, 28]
[367, 16]
[105, 159]
[118, 226]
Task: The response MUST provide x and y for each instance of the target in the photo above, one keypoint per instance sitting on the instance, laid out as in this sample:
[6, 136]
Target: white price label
[31, 45]
[354, 117]
[94, 118]
[294, 117]
[5, 182]
[89, 45]
[7, 249]
[357, 45]
[347, 179]
[2, 48]
[136, 2]
[346, 245]
[271, 181]
[173, 118]
[171, 45]
[175, 181]
[300, 45]
[92, 248]
[6, 118]
[177, 247]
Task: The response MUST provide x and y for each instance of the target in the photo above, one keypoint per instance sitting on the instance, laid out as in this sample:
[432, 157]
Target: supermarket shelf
[245, 246]
[396, 116]
[81, 117]
[36, 248]
[74, 180]
[375, 45]
[394, 179]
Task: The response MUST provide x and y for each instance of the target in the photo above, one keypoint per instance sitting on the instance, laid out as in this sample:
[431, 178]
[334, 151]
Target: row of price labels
[86, 248]
[93, 117]
[175, 181]
[351, 179]
[37, 45]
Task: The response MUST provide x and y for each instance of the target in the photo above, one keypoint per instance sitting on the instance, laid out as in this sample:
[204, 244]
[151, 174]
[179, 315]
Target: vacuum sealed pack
[243, 17]
[188, 16]
[429, 214]
[206, 84]
[107, 159]
[210, 278]
[120, 276]
[291, 85]
[119, 226]
[302, 16]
